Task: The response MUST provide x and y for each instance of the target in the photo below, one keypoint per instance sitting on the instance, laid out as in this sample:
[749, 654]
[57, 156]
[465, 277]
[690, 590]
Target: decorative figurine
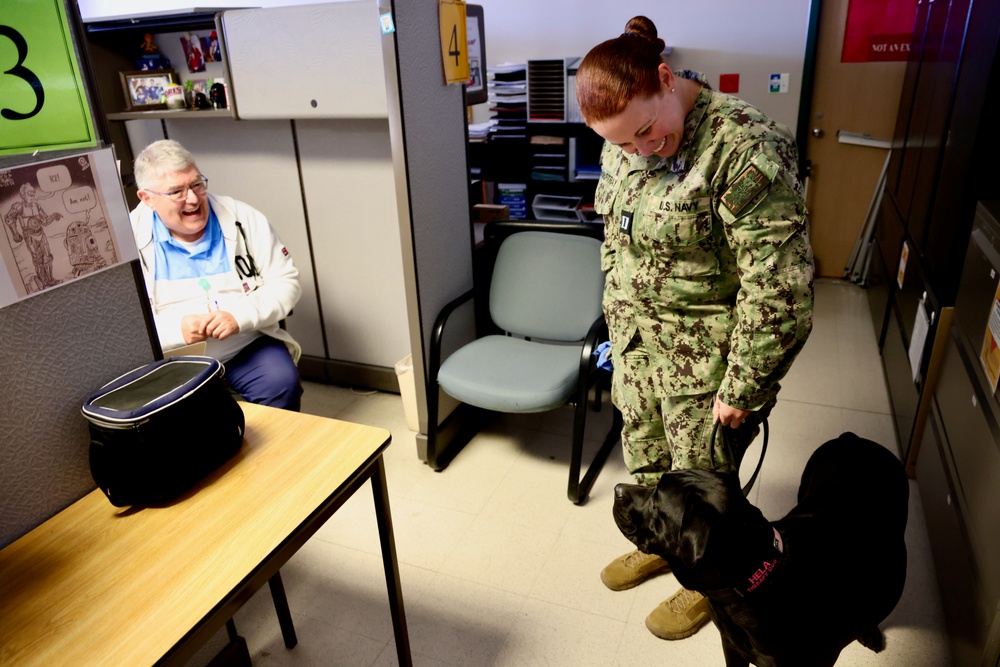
[150, 57]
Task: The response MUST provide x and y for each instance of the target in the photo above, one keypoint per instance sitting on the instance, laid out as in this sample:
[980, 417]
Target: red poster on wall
[878, 30]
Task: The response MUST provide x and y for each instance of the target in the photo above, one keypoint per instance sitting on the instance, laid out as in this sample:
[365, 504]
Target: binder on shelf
[514, 196]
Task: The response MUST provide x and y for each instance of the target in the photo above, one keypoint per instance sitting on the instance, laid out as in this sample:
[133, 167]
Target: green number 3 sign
[22, 72]
[42, 101]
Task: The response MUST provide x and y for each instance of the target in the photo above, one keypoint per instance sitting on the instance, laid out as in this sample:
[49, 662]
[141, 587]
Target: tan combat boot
[679, 616]
[631, 570]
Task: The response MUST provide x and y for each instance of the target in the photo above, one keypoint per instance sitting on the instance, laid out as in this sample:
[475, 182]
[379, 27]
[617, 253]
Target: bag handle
[732, 459]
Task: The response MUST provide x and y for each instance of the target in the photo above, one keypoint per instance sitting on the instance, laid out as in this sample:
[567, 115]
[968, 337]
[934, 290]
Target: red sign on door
[878, 30]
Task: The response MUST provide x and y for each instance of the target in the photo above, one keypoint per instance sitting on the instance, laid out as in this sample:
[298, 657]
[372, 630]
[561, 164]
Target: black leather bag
[159, 429]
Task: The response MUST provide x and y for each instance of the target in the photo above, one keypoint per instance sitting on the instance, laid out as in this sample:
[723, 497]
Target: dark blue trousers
[263, 372]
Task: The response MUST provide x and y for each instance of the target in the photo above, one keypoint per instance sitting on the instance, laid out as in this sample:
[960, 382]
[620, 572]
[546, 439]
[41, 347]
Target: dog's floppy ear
[695, 530]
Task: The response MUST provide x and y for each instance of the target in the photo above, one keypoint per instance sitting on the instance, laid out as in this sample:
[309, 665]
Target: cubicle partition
[58, 347]
[368, 192]
[305, 139]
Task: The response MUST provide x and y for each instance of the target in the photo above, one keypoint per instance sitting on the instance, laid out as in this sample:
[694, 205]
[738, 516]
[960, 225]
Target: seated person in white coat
[215, 271]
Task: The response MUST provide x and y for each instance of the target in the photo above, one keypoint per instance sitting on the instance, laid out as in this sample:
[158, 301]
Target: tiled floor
[499, 568]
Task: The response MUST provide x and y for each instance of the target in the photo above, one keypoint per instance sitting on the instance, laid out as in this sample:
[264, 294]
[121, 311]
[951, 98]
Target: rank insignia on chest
[746, 186]
[626, 224]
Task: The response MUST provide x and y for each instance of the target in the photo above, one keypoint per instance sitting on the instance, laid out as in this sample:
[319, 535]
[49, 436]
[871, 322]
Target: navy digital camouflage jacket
[714, 275]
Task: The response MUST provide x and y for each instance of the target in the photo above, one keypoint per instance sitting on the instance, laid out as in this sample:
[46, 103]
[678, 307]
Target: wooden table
[100, 585]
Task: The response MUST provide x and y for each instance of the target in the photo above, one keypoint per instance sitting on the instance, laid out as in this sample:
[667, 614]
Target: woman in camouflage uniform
[709, 288]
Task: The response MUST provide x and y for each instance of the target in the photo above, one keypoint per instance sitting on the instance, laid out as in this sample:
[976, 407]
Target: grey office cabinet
[958, 471]
[307, 61]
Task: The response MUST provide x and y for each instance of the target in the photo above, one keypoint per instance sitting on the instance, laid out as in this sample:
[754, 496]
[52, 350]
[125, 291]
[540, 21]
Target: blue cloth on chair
[603, 354]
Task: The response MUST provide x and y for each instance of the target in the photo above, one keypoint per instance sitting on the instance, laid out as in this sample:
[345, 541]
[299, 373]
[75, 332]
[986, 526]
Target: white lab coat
[258, 302]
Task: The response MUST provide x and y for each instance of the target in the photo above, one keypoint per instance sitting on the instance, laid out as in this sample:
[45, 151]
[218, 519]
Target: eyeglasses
[199, 187]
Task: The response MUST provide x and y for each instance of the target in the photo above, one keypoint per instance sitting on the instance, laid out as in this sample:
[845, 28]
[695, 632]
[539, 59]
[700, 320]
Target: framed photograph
[197, 86]
[144, 90]
[475, 89]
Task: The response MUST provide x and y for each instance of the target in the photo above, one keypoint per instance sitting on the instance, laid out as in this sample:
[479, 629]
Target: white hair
[161, 156]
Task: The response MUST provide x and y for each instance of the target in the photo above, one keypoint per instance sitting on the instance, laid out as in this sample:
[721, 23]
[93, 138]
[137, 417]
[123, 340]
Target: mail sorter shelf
[557, 208]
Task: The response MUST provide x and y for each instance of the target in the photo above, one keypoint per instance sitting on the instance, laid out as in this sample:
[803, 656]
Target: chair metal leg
[575, 493]
[579, 489]
[444, 442]
[603, 383]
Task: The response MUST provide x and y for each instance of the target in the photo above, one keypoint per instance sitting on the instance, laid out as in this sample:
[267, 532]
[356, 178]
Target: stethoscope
[245, 266]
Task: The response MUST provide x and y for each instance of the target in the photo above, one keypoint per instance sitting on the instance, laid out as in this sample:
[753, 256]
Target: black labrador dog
[795, 592]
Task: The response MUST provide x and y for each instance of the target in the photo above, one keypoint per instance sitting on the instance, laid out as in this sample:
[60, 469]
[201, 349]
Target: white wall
[753, 38]
[107, 10]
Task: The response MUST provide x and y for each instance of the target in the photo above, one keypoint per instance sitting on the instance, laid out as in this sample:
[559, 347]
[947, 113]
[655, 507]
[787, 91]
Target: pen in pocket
[210, 303]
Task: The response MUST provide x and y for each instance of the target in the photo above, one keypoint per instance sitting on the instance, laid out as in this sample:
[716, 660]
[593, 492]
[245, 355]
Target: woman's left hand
[728, 415]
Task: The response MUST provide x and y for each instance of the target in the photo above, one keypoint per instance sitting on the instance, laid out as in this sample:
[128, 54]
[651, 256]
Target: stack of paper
[480, 131]
[508, 98]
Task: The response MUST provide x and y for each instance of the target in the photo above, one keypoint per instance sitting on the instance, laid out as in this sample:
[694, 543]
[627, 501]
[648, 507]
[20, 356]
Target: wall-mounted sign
[42, 101]
[454, 41]
[62, 219]
[878, 30]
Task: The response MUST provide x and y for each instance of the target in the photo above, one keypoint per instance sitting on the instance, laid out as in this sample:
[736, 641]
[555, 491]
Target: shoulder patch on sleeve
[746, 186]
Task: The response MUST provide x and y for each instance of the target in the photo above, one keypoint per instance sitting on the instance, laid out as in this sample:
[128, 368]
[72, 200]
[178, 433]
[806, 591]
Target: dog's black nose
[619, 491]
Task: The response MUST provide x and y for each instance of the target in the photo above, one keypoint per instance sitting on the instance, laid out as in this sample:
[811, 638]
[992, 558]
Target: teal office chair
[545, 320]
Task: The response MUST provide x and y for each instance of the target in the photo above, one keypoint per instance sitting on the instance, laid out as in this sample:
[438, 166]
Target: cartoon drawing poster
[62, 219]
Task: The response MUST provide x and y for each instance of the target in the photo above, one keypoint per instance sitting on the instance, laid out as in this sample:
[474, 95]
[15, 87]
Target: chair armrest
[597, 334]
[437, 335]
[431, 387]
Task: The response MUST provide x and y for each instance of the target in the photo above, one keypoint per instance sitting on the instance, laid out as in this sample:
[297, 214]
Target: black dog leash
[732, 459]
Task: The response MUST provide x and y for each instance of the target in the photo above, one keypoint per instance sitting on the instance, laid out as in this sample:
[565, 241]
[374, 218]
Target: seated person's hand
[193, 328]
[217, 324]
[221, 324]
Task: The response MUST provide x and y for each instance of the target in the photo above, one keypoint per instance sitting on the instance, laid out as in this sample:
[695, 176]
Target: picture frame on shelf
[196, 86]
[144, 90]
[475, 89]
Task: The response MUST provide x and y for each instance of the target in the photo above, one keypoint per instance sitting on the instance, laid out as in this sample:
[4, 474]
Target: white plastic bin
[408, 391]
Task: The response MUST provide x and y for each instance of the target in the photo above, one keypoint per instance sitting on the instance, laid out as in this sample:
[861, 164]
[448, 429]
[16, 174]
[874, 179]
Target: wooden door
[859, 98]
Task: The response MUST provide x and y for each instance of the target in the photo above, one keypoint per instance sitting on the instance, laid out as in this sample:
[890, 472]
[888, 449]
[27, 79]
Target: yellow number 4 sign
[42, 102]
[454, 44]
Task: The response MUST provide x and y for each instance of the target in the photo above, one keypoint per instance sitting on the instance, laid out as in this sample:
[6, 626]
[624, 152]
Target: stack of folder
[508, 98]
[507, 87]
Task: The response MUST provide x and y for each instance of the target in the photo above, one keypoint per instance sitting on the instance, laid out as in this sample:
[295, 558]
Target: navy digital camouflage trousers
[664, 433]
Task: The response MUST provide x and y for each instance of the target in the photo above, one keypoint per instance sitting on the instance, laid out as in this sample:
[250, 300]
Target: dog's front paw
[873, 639]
